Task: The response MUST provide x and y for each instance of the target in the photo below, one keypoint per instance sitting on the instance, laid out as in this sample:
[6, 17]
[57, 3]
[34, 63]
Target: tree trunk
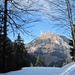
[71, 24]
[5, 34]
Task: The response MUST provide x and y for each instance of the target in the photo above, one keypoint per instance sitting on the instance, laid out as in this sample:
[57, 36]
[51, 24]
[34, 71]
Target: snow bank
[35, 71]
[66, 70]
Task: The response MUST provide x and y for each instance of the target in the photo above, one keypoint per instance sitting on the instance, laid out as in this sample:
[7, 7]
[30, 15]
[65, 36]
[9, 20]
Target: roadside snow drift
[66, 70]
[69, 69]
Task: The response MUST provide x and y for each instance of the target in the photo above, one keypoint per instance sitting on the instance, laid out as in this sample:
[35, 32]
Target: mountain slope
[52, 48]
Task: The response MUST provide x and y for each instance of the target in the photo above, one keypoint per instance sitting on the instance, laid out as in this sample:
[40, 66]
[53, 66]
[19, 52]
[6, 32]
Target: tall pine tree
[20, 53]
[38, 61]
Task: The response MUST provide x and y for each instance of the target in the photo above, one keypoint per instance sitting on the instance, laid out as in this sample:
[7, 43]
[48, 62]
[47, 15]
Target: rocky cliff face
[52, 48]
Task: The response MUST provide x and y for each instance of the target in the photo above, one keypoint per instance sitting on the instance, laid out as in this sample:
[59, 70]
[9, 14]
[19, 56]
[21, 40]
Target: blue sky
[36, 29]
[47, 21]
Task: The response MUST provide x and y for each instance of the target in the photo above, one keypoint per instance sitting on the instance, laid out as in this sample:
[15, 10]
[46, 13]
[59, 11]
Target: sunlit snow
[69, 69]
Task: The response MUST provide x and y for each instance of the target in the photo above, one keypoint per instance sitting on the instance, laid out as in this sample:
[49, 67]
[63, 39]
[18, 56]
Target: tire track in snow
[68, 70]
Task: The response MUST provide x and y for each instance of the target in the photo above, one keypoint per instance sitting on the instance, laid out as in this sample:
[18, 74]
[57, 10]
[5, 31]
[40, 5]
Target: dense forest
[16, 55]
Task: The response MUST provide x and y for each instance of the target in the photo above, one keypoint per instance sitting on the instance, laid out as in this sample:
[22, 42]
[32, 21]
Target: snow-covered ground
[69, 69]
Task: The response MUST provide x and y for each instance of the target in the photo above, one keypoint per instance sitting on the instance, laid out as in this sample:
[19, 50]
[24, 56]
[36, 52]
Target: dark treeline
[16, 56]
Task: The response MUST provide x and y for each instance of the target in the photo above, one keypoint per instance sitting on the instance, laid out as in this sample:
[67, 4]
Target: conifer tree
[20, 53]
[38, 61]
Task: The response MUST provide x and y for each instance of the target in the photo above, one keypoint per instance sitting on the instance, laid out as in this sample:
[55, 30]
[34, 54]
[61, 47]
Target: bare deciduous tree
[14, 16]
[64, 15]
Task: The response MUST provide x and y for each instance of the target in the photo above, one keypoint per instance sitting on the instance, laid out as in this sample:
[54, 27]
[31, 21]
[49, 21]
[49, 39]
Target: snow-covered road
[69, 69]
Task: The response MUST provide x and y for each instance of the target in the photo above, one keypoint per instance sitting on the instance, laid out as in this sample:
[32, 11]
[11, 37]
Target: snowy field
[69, 69]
